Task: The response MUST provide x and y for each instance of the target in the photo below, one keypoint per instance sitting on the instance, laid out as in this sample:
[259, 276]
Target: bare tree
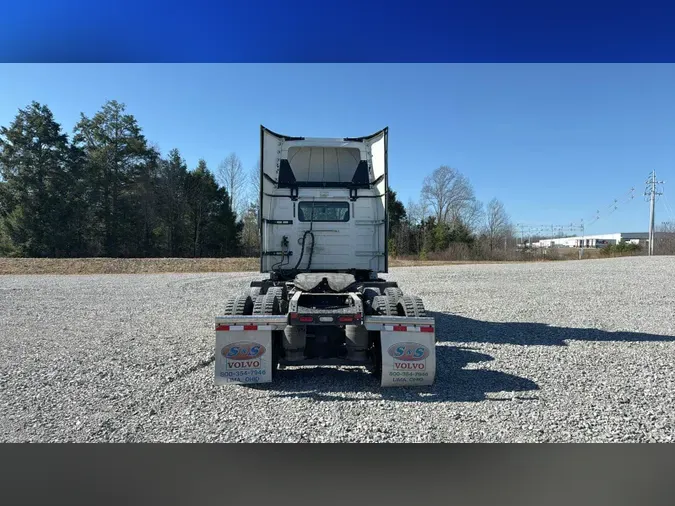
[414, 211]
[665, 240]
[449, 194]
[472, 215]
[254, 184]
[408, 239]
[250, 239]
[253, 211]
[232, 176]
[497, 223]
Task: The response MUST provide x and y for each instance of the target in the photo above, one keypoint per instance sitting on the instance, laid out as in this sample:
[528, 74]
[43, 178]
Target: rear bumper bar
[374, 323]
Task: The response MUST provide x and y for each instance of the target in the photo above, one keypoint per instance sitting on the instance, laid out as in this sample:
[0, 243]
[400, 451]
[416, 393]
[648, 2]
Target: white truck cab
[324, 234]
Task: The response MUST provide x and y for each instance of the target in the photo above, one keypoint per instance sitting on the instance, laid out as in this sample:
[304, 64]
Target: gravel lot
[564, 351]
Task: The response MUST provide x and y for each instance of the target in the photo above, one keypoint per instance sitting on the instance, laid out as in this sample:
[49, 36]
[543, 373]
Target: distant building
[595, 241]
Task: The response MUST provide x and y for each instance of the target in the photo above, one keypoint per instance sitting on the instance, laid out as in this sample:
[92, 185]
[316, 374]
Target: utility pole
[652, 193]
[522, 234]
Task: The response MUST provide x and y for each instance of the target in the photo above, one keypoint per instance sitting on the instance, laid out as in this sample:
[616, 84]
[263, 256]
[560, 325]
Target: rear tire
[239, 305]
[267, 304]
[410, 305]
[395, 292]
[278, 291]
[385, 305]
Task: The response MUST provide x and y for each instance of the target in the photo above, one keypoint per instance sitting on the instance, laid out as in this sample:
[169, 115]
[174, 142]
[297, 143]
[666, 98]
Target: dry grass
[152, 265]
[183, 265]
[125, 265]
[158, 265]
[413, 262]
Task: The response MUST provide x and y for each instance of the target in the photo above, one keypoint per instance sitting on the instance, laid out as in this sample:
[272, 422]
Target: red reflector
[426, 329]
[294, 316]
[222, 327]
[400, 328]
[357, 316]
[250, 327]
[346, 318]
[306, 319]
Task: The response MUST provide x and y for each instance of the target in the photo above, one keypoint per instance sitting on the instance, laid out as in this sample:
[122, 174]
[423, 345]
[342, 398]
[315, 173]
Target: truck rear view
[324, 236]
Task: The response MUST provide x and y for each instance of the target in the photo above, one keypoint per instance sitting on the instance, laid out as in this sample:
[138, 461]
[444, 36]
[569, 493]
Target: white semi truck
[324, 242]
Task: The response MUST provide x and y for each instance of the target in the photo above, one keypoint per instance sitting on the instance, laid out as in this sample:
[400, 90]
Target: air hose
[302, 251]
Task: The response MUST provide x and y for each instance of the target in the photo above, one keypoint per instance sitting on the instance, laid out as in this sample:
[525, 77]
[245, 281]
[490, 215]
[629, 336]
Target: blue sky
[554, 142]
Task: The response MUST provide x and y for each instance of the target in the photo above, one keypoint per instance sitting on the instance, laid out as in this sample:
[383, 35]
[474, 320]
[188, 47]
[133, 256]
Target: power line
[610, 209]
[616, 203]
[581, 227]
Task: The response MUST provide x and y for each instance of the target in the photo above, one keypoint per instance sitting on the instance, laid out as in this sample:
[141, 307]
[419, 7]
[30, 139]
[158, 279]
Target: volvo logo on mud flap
[408, 352]
[243, 351]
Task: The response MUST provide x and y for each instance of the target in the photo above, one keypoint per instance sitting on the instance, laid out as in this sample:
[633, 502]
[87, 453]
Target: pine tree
[221, 234]
[172, 204]
[202, 204]
[40, 202]
[117, 156]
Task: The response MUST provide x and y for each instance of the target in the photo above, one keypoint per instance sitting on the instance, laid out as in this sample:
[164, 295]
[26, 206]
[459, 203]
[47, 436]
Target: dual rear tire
[405, 305]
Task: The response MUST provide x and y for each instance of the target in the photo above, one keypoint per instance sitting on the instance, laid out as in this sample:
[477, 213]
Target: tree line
[106, 191]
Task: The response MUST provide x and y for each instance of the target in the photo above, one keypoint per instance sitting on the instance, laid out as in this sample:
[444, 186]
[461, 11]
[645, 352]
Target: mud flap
[408, 355]
[243, 354]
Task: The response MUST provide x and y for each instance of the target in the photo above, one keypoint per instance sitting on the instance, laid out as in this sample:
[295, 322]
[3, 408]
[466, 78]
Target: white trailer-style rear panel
[334, 187]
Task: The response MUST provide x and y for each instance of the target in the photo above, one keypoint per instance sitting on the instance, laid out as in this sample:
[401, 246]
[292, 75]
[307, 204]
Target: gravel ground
[558, 352]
